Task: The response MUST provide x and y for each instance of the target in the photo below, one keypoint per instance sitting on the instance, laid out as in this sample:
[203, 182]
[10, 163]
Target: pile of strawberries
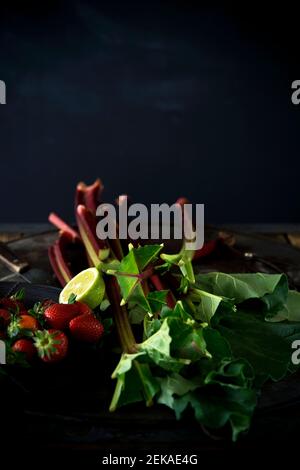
[44, 330]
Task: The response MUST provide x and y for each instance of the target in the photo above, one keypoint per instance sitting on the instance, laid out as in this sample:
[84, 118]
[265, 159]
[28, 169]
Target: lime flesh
[88, 286]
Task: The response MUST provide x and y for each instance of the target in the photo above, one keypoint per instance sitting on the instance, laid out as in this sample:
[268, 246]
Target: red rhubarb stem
[121, 319]
[58, 261]
[55, 220]
[206, 250]
[55, 266]
[97, 250]
[89, 195]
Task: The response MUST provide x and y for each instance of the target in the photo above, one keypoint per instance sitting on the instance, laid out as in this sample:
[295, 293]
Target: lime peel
[88, 286]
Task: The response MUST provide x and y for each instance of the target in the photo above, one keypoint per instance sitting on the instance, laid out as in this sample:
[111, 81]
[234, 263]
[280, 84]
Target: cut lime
[88, 286]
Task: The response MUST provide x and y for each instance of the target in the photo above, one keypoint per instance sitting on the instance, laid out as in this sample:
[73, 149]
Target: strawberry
[46, 303]
[5, 317]
[58, 316]
[26, 347]
[52, 345]
[23, 312]
[86, 328]
[27, 322]
[22, 322]
[84, 309]
[11, 303]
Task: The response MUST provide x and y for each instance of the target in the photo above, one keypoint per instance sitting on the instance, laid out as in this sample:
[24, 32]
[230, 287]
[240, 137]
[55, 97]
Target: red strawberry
[26, 347]
[52, 345]
[23, 312]
[10, 303]
[5, 317]
[27, 322]
[58, 316]
[22, 322]
[46, 303]
[84, 309]
[86, 328]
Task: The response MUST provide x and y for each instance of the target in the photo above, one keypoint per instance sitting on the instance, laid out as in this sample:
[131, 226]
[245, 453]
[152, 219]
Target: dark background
[159, 99]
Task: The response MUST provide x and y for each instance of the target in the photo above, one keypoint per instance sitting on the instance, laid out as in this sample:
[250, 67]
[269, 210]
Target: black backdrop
[159, 99]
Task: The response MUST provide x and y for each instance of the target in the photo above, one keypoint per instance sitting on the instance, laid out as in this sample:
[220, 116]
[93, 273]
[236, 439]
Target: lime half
[88, 286]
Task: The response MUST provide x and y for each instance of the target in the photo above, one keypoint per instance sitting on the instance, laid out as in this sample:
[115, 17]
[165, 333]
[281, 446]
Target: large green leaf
[266, 346]
[225, 396]
[241, 287]
[158, 349]
[289, 311]
[135, 381]
[174, 385]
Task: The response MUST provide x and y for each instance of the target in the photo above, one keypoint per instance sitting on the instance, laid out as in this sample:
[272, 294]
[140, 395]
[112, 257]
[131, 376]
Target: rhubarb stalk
[97, 250]
[55, 220]
[89, 195]
[126, 336]
[58, 261]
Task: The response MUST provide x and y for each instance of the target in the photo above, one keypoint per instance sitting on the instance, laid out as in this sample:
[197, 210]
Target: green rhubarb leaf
[172, 386]
[138, 298]
[266, 346]
[290, 310]
[217, 346]
[178, 312]
[157, 299]
[207, 304]
[144, 255]
[157, 348]
[275, 300]
[183, 260]
[130, 282]
[135, 382]
[242, 287]
[187, 340]
[125, 364]
[224, 399]
[136, 313]
[151, 305]
[151, 326]
[128, 273]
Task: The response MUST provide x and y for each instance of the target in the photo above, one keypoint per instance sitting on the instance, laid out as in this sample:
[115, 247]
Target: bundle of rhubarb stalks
[87, 199]
[204, 342]
[98, 253]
